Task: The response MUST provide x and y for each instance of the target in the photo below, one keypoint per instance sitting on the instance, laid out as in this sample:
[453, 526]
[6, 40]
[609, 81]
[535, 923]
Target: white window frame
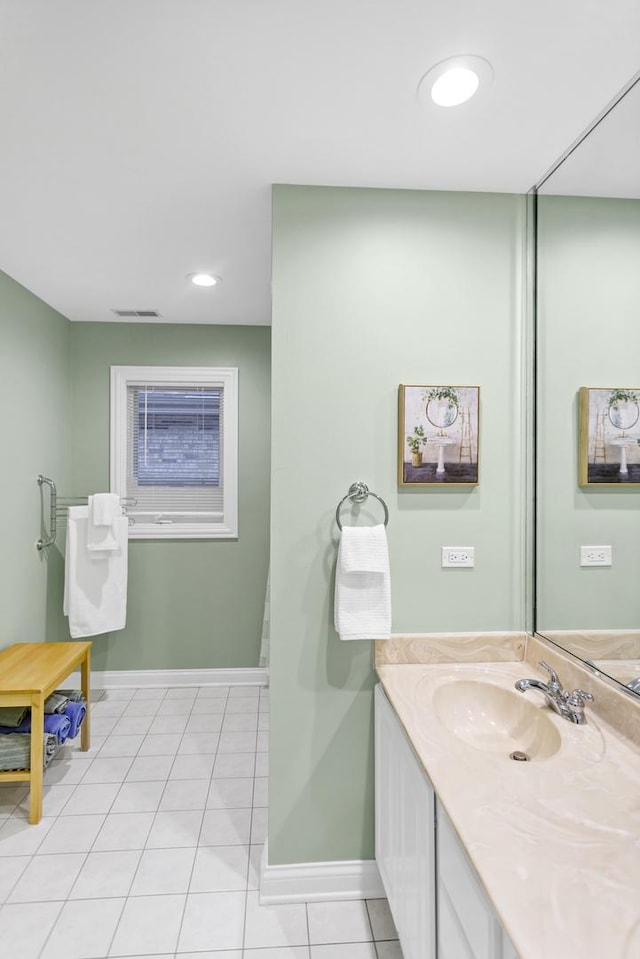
[122, 377]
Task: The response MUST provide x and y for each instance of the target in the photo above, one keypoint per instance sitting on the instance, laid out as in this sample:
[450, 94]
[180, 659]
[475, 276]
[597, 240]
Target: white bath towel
[362, 607]
[104, 511]
[95, 584]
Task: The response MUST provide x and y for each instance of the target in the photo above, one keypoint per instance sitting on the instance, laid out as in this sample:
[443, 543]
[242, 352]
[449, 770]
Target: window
[174, 449]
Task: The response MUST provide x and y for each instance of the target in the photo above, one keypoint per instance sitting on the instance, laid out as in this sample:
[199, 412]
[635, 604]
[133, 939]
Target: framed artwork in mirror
[609, 436]
[438, 435]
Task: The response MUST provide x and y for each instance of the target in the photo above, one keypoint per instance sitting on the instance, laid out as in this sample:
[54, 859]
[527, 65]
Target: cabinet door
[405, 837]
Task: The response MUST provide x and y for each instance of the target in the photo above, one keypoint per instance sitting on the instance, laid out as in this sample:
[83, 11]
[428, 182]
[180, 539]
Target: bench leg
[37, 759]
[85, 676]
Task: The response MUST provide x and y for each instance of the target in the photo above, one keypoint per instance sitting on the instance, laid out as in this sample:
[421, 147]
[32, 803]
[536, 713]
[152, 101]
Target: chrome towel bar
[60, 504]
[358, 493]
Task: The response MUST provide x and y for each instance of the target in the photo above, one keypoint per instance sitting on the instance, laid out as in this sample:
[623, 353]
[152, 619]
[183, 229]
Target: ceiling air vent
[138, 314]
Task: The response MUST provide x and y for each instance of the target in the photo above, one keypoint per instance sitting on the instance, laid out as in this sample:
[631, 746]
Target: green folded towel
[55, 703]
[15, 751]
[73, 695]
[13, 715]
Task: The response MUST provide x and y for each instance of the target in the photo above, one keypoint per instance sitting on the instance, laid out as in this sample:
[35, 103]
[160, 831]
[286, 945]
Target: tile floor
[150, 844]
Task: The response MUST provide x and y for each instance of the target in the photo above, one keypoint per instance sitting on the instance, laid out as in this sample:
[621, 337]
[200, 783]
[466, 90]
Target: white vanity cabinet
[429, 882]
[405, 834]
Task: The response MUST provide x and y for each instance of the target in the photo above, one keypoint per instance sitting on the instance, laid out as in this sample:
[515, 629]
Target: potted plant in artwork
[415, 443]
[623, 408]
[441, 406]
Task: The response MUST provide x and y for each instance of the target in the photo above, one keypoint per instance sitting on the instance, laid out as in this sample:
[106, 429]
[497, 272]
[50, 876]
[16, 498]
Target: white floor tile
[71, 834]
[381, 920]
[284, 925]
[132, 726]
[92, 798]
[149, 768]
[225, 954]
[220, 869]
[123, 831]
[212, 920]
[263, 721]
[226, 827]
[185, 794]
[24, 928]
[48, 878]
[389, 950]
[149, 924]
[10, 795]
[73, 747]
[84, 932]
[255, 860]
[228, 766]
[139, 797]
[175, 829]
[108, 770]
[151, 692]
[259, 825]
[176, 707]
[167, 724]
[244, 692]
[166, 744]
[332, 922]
[68, 771]
[280, 952]
[19, 838]
[106, 874]
[182, 692]
[11, 868]
[213, 692]
[262, 741]
[261, 791]
[262, 764]
[54, 799]
[209, 707]
[232, 742]
[345, 950]
[208, 723]
[237, 704]
[230, 794]
[108, 708]
[118, 694]
[103, 725]
[142, 707]
[192, 767]
[198, 744]
[122, 745]
[239, 722]
[163, 871]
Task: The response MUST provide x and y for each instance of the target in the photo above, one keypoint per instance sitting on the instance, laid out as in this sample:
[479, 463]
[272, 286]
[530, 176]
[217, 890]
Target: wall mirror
[588, 390]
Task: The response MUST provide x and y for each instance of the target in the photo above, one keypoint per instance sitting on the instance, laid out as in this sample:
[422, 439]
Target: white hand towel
[104, 511]
[95, 584]
[362, 607]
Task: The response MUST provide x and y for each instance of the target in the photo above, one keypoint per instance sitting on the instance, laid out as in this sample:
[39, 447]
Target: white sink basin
[496, 720]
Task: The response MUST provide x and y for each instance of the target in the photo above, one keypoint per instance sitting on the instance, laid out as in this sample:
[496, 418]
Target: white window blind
[174, 456]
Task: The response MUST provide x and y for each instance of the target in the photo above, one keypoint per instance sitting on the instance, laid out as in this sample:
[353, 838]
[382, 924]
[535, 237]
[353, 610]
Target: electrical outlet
[458, 556]
[595, 556]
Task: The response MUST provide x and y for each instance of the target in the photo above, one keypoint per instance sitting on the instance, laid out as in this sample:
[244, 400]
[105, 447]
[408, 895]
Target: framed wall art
[609, 436]
[438, 435]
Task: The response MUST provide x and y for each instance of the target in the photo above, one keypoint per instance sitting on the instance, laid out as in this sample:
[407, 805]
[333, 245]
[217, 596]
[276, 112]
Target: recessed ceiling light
[204, 279]
[455, 81]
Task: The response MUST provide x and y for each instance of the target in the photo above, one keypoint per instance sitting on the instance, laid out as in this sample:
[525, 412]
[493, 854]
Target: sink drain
[519, 757]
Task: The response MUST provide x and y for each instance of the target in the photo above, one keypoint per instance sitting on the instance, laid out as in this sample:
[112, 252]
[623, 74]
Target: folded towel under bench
[15, 751]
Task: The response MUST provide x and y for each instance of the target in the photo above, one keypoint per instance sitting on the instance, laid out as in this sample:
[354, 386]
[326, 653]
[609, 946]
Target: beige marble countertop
[555, 842]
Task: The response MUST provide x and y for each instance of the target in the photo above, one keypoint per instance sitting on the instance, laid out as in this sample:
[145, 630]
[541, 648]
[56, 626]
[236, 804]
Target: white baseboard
[319, 881]
[123, 678]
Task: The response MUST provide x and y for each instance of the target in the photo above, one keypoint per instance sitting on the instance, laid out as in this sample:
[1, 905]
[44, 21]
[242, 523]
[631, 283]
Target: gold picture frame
[609, 436]
[438, 436]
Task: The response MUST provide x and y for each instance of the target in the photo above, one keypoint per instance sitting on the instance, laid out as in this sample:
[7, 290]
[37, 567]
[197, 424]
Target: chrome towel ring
[358, 493]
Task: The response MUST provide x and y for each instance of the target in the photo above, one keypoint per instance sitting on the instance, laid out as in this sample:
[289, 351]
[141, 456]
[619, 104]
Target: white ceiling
[139, 138]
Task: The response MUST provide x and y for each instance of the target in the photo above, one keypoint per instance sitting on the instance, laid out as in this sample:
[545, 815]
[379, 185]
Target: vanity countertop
[555, 842]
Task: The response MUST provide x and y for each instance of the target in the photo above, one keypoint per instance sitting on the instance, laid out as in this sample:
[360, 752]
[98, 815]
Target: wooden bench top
[37, 667]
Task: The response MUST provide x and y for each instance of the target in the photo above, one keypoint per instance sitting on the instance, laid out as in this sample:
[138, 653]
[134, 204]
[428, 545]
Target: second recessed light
[204, 279]
[455, 81]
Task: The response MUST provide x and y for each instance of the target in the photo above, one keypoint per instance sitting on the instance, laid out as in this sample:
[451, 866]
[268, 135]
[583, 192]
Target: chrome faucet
[568, 705]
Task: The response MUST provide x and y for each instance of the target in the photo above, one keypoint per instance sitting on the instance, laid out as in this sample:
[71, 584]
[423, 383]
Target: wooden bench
[29, 672]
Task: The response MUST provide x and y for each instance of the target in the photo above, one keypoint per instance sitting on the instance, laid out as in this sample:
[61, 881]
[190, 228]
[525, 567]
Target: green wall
[371, 289]
[588, 335]
[195, 603]
[34, 378]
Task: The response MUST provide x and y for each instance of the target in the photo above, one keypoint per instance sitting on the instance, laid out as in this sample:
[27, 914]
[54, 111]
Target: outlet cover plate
[596, 556]
[458, 556]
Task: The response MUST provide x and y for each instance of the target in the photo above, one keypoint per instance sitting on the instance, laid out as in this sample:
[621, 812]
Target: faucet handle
[578, 697]
[554, 682]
